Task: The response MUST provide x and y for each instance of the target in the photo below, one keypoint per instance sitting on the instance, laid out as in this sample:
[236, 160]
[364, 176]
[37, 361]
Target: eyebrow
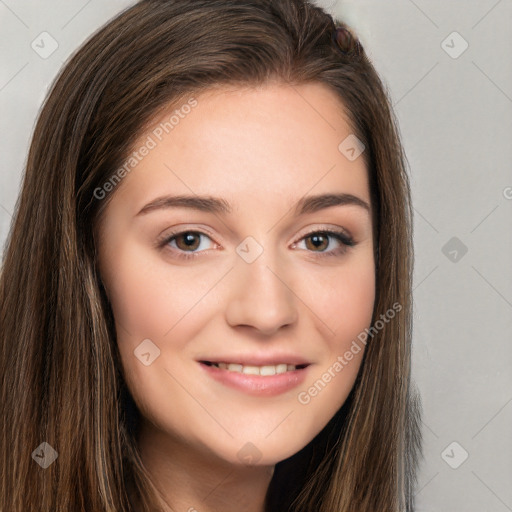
[209, 204]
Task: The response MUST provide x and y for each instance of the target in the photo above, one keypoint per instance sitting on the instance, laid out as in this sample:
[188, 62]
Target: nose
[262, 296]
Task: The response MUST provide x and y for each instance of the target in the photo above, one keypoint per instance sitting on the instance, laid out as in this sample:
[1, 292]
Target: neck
[192, 480]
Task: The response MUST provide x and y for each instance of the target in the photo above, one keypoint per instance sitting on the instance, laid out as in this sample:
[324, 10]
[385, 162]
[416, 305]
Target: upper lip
[257, 360]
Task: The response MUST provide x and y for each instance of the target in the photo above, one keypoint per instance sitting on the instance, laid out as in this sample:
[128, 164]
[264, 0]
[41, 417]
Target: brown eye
[318, 241]
[186, 244]
[190, 239]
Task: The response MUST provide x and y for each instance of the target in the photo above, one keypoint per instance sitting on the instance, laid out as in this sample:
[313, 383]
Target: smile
[256, 370]
[267, 380]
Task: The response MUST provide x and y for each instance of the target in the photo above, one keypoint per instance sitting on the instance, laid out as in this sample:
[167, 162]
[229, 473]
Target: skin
[261, 150]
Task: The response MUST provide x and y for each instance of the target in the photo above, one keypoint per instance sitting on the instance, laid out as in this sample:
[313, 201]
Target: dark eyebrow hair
[209, 204]
[311, 204]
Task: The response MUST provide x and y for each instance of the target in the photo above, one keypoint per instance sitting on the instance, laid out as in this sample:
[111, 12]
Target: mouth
[264, 370]
[266, 380]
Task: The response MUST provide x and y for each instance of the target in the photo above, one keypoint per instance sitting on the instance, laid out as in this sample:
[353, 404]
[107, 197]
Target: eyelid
[327, 229]
[345, 239]
[177, 230]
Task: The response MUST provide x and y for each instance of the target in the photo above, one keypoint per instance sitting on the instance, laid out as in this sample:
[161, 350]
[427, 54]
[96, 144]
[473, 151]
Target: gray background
[454, 111]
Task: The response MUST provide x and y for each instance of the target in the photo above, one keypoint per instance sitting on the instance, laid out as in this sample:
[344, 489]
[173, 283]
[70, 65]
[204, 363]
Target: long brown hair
[61, 376]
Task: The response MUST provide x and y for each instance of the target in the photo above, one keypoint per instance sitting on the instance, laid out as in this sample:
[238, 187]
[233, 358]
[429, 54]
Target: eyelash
[346, 241]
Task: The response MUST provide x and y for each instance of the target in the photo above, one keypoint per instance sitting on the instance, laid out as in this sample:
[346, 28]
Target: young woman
[206, 290]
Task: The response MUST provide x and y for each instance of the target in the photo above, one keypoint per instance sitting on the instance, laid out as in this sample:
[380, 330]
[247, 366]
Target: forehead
[269, 142]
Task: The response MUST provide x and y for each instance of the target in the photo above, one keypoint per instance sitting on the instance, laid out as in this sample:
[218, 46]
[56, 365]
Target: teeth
[268, 370]
[257, 370]
[251, 370]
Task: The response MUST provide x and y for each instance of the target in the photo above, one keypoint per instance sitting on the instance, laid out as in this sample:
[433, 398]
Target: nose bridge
[261, 296]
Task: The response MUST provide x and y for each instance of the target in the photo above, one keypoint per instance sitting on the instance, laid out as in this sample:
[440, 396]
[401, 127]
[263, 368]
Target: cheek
[151, 302]
[147, 300]
[353, 306]
[342, 301]
[343, 307]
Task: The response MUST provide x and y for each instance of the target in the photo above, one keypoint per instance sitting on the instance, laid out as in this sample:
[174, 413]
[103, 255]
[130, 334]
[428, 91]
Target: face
[235, 308]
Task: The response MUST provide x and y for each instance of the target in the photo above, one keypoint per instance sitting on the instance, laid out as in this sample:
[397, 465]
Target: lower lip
[258, 385]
